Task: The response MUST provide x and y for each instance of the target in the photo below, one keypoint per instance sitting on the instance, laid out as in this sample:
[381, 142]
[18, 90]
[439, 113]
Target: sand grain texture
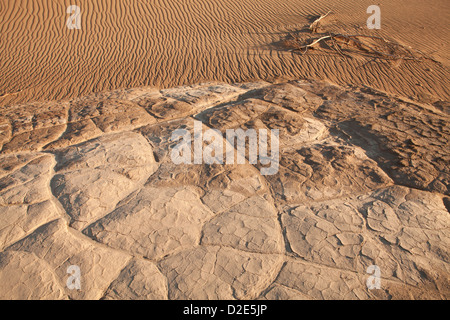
[127, 44]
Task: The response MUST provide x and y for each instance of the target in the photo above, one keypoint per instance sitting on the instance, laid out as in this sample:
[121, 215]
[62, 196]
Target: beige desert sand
[160, 43]
[87, 178]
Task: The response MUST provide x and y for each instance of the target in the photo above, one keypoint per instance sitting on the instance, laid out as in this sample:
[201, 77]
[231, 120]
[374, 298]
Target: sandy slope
[168, 43]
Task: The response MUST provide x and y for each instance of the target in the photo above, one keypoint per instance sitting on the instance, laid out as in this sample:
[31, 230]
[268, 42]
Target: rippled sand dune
[124, 44]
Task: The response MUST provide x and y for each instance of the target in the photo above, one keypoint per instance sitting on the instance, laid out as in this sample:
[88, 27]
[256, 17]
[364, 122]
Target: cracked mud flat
[363, 180]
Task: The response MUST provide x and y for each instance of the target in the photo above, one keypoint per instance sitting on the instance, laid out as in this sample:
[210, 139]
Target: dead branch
[342, 43]
[315, 25]
[345, 45]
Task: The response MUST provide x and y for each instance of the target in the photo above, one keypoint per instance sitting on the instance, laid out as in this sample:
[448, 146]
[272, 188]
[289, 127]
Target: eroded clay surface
[363, 179]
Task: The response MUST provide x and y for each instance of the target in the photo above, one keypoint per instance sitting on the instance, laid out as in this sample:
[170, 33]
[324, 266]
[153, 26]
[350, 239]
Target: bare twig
[338, 48]
[315, 25]
[317, 41]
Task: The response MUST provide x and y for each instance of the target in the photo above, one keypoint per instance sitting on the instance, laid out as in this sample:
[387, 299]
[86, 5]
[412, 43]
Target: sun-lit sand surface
[125, 44]
[88, 179]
